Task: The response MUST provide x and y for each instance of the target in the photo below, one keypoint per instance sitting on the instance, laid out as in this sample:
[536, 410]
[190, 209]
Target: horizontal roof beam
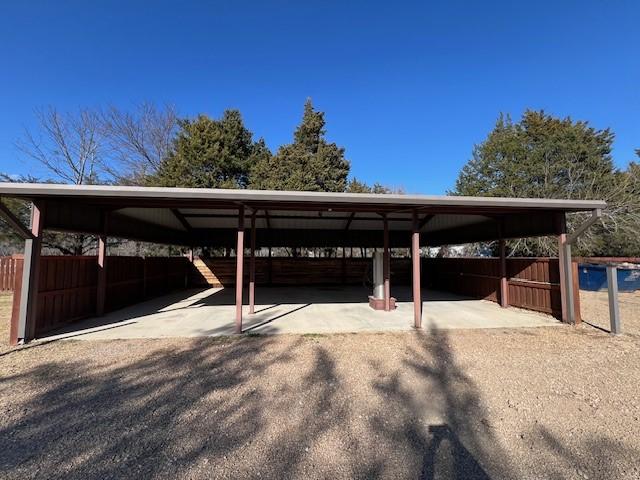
[295, 217]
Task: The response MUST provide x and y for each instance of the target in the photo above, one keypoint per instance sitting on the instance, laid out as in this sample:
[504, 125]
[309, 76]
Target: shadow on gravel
[198, 411]
[443, 425]
[127, 422]
[170, 415]
[259, 406]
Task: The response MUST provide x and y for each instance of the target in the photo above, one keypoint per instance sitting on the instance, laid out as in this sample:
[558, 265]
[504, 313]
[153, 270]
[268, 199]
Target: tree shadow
[601, 456]
[444, 422]
[164, 415]
[262, 406]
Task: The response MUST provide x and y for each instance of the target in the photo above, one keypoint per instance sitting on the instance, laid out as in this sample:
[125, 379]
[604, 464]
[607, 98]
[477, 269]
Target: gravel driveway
[529, 403]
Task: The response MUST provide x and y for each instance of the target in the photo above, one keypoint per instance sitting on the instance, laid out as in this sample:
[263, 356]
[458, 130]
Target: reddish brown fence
[534, 283]
[67, 288]
[131, 279]
[221, 272]
[8, 272]
[68, 285]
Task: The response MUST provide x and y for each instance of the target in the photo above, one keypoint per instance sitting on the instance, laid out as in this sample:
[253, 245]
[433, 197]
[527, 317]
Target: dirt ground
[545, 403]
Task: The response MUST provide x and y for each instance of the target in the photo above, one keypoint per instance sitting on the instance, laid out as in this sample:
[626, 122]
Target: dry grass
[5, 316]
[539, 403]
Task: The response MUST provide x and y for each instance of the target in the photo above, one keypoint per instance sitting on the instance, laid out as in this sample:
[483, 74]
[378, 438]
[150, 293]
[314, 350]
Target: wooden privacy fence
[533, 283]
[67, 286]
[221, 271]
[8, 272]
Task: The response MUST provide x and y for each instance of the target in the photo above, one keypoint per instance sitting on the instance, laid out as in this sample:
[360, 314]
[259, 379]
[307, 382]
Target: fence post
[614, 311]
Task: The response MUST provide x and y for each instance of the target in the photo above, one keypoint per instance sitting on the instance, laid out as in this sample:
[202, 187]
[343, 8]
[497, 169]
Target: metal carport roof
[190, 216]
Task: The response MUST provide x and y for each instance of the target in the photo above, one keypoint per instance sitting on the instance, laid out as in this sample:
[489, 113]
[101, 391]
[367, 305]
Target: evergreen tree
[546, 157]
[356, 186]
[310, 163]
[208, 153]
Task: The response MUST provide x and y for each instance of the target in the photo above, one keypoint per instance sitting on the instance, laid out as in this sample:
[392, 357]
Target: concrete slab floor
[211, 312]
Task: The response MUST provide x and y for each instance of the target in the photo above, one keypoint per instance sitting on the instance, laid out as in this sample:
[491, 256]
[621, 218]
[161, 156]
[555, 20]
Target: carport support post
[239, 272]
[252, 266]
[566, 270]
[415, 260]
[386, 266]
[30, 275]
[504, 282]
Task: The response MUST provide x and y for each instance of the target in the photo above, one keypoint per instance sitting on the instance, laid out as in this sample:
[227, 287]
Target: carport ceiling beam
[14, 222]
[267, 218]
[349, 220]
[425, 220]
[181, 219]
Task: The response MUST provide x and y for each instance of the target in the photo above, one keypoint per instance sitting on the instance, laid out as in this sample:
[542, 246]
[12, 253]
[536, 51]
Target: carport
[220, 218]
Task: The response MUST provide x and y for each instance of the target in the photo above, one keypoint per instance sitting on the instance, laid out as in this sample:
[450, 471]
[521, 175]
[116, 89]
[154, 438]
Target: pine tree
[310, 163]
[208, 153]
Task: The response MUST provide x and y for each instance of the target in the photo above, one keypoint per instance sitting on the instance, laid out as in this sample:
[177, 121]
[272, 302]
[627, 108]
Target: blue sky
[408, 87]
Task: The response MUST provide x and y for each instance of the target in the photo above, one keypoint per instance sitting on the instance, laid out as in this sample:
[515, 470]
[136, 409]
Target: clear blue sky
[407, 87]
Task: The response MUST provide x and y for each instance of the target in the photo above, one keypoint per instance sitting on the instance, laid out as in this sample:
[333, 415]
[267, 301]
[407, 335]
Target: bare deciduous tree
[68, 145]
[138, 141]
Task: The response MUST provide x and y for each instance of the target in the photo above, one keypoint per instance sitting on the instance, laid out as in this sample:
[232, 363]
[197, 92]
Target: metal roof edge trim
[34, 190]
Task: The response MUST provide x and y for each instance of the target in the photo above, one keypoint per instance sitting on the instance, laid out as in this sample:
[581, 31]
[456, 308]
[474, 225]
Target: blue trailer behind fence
[594, 277]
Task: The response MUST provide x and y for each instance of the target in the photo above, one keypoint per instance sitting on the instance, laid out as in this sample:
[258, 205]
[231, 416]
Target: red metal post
[504, 281]
[562, 241]
[102, 275]
[239, 267]
[252, 266]
[31, 275]
[415, 260]
[386, 267]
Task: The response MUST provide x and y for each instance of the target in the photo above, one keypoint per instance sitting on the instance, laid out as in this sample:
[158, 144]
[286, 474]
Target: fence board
[67, 290]
[8, 267]
[533, 282]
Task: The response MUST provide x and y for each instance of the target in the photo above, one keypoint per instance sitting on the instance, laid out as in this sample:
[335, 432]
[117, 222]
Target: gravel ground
[543, 403]
[594, 307]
